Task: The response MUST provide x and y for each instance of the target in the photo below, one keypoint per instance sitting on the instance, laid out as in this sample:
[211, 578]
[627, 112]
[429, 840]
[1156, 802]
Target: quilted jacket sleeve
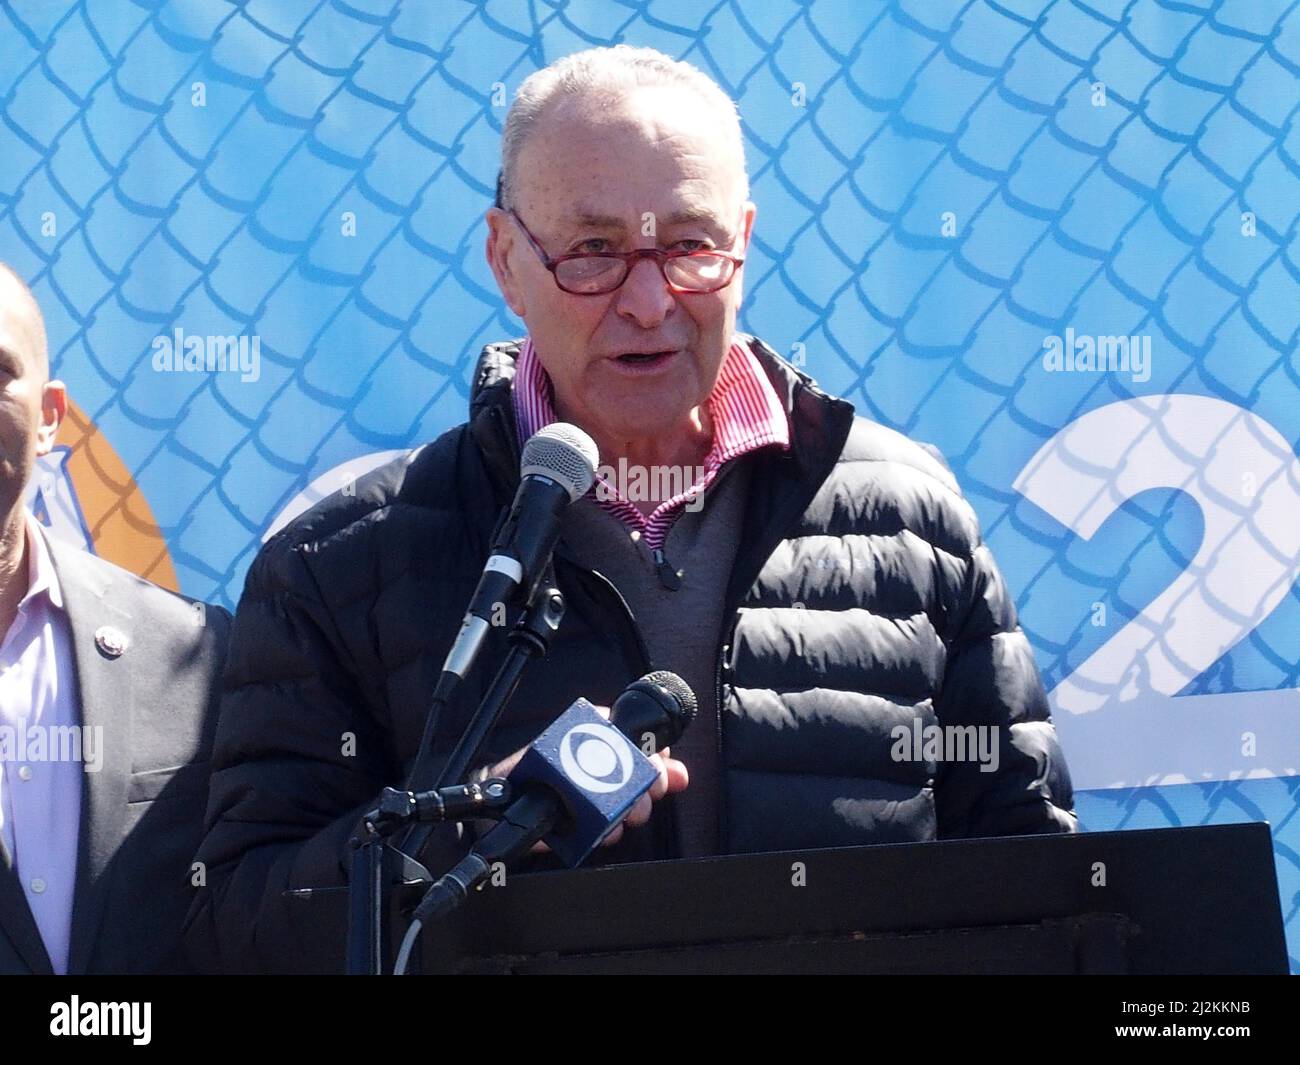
[299, 756]
[991, 681]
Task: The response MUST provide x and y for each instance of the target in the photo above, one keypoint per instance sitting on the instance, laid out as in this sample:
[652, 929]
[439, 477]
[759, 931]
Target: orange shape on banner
[116, 513]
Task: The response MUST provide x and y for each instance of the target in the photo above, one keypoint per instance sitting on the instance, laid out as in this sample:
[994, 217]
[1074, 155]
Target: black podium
[1185, 900]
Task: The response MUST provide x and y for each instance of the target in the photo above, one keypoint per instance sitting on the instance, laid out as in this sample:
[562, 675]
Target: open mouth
[642, 358]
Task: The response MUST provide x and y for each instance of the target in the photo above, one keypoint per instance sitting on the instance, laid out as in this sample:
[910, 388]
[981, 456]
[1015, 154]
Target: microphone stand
[377, 867]
[529, 639]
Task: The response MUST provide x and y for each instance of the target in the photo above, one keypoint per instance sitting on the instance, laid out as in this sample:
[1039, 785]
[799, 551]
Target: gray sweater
[681, 627]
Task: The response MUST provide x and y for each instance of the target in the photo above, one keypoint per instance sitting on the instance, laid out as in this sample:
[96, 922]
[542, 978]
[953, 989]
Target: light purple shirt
[40, 797]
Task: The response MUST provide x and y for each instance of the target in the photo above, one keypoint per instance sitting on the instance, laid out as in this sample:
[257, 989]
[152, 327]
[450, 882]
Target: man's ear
[500, 245]
[54, 408]
[750, 213]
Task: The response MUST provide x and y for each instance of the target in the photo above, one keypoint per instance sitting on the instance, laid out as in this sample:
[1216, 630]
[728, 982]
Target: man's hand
[673, 778]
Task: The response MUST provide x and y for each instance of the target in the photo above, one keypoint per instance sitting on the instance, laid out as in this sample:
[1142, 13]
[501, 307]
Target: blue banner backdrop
[1057, 238]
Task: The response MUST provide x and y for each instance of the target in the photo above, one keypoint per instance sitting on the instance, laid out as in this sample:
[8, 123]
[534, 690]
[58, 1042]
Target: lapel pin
[110, 641]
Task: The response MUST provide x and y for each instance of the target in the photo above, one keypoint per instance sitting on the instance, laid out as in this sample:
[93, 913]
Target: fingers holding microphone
[673, 777]
[585, 773]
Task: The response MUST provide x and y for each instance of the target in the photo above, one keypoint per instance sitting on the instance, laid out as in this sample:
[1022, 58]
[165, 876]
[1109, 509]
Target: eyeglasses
[595, 275]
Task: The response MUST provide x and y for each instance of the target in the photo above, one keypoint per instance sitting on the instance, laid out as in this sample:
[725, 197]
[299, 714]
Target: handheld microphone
[654, 710]
[578, 780]
[593, 769]
[557, 468]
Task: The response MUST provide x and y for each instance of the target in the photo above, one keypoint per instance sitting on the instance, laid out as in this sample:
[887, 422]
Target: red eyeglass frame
[630, 259]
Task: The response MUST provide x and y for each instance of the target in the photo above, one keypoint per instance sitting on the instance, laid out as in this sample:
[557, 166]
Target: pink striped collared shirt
[743, 406]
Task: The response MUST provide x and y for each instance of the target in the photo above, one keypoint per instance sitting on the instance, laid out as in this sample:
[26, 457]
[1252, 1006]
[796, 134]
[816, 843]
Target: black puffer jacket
[862, 598]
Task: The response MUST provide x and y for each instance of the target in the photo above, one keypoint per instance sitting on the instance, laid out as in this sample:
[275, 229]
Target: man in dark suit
[107, 711]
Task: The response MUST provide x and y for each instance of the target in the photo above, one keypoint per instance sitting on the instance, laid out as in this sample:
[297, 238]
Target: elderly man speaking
[816, 578]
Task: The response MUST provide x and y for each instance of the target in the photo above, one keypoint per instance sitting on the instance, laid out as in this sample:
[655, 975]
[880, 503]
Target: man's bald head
[21, 321]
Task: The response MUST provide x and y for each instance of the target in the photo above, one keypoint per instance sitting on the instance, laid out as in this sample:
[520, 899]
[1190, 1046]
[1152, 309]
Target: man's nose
[645, 296]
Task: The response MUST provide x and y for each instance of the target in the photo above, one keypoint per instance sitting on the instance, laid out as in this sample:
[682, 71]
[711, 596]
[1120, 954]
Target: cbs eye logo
[596, 758]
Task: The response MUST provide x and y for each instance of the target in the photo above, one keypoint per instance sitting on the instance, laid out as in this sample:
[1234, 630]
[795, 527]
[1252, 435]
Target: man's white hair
[607, 74]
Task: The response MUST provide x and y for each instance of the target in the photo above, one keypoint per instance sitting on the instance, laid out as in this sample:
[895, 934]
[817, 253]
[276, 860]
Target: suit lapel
[105, 689]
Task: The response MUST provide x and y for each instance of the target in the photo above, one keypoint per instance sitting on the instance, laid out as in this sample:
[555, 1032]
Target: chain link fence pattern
[942, 185]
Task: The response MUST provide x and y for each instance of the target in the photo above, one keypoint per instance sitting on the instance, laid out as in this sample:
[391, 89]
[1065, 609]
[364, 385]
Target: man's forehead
[584, 154]
[595, 216]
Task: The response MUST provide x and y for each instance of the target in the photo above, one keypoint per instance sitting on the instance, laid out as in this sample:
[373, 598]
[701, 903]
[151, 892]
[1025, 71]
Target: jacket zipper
[668, 577]
[721, 820]
[627, 610]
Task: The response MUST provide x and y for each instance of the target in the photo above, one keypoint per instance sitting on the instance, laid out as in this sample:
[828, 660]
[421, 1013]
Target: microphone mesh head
[565, 454]
[677, 688]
